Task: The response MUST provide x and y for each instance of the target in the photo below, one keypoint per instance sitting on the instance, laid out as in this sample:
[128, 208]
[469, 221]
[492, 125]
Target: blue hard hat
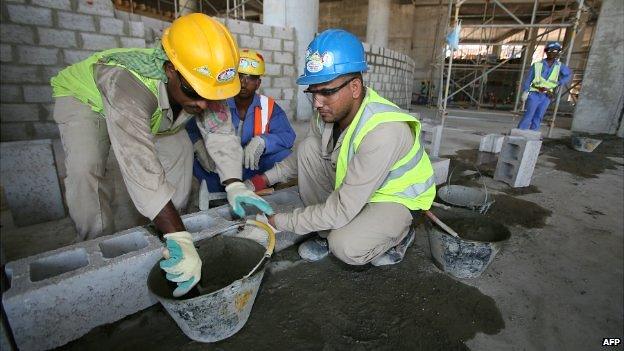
[331, 54]
[553, 45]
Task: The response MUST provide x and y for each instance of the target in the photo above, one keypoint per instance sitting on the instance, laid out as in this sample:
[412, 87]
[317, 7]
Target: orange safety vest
[262, 115]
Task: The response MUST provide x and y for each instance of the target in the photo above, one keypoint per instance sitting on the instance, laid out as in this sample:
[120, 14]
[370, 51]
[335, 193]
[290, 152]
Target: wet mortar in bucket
[221, 302]
[469, 255]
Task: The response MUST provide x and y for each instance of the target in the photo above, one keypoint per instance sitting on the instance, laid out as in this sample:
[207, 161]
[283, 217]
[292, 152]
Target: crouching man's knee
[348, 249]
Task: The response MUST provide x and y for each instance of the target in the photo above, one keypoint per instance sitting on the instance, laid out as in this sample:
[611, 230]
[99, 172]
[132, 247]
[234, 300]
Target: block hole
[512, 152]
[58, 264]
[123, 244]
[508, 170]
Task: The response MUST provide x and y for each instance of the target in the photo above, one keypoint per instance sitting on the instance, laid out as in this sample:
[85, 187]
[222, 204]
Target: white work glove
[525, 96]
[182, 263]
[253, 151]
[238, 194]
[203, 157]
[252, 232]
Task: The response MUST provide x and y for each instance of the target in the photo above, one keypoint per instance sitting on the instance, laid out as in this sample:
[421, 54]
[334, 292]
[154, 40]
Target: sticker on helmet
[328, 59]
[203, 70]
[247, 62]
[226, 75]
[315, 63]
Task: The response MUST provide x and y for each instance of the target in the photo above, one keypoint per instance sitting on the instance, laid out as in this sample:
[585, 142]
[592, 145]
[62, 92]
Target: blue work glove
[181, 262]
[238, 194]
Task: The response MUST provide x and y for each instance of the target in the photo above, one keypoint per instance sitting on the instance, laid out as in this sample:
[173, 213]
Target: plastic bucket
[469, 255]
[221, 303]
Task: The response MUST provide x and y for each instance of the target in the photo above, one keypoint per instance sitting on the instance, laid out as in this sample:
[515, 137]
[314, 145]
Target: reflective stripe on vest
[410, 181]
[262, 115]
[549, 83]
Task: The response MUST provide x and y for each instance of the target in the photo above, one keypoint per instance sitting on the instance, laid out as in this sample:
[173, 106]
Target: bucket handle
[270, 247]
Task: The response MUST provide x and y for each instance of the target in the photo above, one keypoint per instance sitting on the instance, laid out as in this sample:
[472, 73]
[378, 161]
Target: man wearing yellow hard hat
[137, 101]
[265, 133]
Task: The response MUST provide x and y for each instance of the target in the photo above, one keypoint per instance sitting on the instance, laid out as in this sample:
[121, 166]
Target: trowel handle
[437, 221]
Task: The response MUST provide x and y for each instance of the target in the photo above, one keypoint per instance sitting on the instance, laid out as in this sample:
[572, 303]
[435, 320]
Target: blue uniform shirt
[565, 74]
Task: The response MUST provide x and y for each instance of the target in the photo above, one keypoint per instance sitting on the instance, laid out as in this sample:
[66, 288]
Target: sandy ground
[556, 285]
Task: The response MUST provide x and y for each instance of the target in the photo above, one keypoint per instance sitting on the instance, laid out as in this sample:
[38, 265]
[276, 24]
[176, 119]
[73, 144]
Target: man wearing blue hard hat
[539, 88]
[361, 169]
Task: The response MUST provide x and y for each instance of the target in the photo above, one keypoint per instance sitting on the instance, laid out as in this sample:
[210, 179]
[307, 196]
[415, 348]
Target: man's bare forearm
[168, 220]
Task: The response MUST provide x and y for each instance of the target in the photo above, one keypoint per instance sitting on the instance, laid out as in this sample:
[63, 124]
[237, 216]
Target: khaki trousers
[377, 228]
[88, 191]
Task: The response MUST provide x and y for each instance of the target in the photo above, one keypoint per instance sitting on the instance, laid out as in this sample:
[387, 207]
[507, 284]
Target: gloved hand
[255, 233]
[182, 265]
[203, 157]
[525, 96]
[238, 194]
[256, 183]
[253, 151]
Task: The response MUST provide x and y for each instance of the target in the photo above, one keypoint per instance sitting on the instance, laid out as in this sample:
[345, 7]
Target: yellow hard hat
[205, 53]
[251, 62]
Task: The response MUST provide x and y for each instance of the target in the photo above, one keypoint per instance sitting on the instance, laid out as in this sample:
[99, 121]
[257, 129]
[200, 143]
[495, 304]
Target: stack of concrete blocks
[491, 143]
[390, 74]
[517, 160]
[30, 181]
[58, 296]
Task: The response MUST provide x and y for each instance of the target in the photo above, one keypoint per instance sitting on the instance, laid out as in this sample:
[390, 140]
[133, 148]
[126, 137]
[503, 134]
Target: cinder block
[57, 38]
[289, 93]
[76, 21]
[110, 25]
[250, 42]
[132, 42]
[283, 33]
[98, 41]
[283, 57]
[239, 27]
[258, 29]
[6, 53]
[137, 29]
[34, 15]
[30, 182]
[35, 55]
[73, 56]
[99, 7]
[527, 133]
[56, 4]
[11, 93]
[272, 92]
[440, 169]
[517, 160]
[430, 136]
[289, 45]
[58, 296]
[37, 93]
[272, 69]
[285, 82]
[17, 34]
[271, 44]
[492, 143]
[289, 71]
[19, 113]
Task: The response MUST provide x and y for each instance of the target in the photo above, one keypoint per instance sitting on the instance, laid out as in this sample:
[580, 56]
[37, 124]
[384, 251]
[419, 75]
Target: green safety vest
[549, 83]
[410, 181]
[77, 80]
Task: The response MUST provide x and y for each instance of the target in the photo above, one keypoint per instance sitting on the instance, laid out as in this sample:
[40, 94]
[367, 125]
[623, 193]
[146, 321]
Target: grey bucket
[219, 314]
[463, 196]
[469, 255]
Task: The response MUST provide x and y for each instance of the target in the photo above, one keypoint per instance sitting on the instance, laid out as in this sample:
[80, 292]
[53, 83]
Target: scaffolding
[168, 10]
[496, 15]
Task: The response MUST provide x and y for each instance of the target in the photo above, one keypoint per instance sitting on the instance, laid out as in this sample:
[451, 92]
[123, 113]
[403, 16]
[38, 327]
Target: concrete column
[303, 15]
[188, 6]
[377, 23]
[599, 108]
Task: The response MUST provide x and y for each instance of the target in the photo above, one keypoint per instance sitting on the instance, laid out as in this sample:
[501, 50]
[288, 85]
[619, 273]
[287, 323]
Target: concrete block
[283, 57]
[73, 56]
[249, 42]
[37, 93]
[11, 93]
[58, 296]
[272, 92]
[17, 34]
[58, 38]
[110, 25]
[56, 4]
[37, 16]
[289, 93]
[6, 53]
[440, 169]
[127, 42]
[272, 69]
[527, 133]
[285, 82]
[98, 41]
[289, 45]
[137, 29]
[238, 27]
[271, 44]
[492, 143]
[261, 30]
[19, 113]
[35, 55]
[76, 21]
[290, 71]
[517, 160]
[430, 137]
[98, 7]
[30, 182]
[283, 33]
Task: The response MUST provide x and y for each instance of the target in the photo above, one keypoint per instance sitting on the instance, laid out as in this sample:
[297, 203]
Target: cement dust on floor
[329, 305]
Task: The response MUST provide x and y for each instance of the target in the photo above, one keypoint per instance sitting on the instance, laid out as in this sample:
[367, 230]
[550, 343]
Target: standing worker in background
[539, 88]
[361, 169]
[137, 101]
[261, 124]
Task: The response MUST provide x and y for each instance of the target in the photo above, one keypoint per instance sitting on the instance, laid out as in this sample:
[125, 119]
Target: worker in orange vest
[261, 124]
